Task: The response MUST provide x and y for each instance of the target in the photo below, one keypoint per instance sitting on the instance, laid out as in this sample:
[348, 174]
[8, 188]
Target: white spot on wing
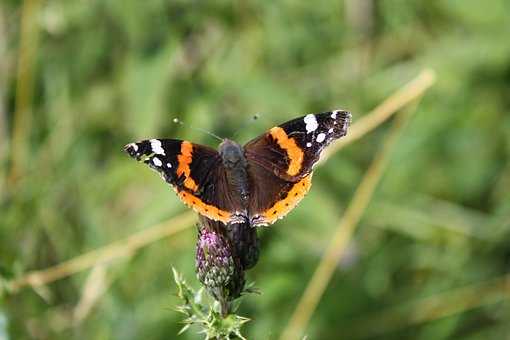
[333, 115]
[156, 147]
[311, 123]
[330, 130]
[321, 137]
[308, 144]
[157, 161]
[168, 165]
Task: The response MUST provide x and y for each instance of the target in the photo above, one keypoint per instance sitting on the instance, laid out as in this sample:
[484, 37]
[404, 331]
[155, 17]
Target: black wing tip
[131, 149]
[338, 115]
[342, 114]
[342, 120]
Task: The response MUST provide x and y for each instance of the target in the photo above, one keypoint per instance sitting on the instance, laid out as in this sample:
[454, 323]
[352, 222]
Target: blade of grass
[445, 304]
[424, 222]
[24, 86]
[4, 79]
[110, 252]
[322, 275]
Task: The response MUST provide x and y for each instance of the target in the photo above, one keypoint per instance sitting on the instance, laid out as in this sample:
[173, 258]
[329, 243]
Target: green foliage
[209, 318]
[110, 72]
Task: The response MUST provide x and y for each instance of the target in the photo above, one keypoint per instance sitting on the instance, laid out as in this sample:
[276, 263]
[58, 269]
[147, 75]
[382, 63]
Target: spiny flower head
[217, 266]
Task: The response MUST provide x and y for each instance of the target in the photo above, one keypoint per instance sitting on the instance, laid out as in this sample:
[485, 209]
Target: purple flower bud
[217, 266]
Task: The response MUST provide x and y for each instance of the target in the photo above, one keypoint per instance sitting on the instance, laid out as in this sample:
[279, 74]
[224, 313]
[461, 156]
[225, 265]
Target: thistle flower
[218, 268]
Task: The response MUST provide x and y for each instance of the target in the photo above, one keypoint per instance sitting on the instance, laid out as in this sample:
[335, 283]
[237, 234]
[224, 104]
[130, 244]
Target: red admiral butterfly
[257, 183]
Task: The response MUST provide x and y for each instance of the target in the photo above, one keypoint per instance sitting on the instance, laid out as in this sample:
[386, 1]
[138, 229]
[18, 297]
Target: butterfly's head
[231, 154]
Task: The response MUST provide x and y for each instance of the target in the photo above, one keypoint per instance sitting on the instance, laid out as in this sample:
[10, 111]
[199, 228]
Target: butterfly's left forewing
[280, 162]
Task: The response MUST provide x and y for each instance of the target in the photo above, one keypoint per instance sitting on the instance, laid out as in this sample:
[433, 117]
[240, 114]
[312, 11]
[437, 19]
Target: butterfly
[254, 184]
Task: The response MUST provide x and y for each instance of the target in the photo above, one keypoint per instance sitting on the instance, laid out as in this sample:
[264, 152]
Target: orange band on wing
[294, 152]
[184, 160]
[203, 208]
[284, 206]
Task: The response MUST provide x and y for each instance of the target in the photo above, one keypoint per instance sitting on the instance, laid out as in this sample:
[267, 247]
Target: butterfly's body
[254, 184]
[232, 155]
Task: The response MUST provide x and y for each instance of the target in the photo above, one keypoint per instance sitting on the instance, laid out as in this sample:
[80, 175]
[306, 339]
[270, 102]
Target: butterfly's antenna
[248, 121]
[178, 121]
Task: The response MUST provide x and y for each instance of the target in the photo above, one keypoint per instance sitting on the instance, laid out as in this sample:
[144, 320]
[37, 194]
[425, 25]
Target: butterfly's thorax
[235, 163]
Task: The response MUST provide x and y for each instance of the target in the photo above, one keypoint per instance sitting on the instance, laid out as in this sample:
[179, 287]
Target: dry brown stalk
[108, 253]
[24, 86]
[405, 95]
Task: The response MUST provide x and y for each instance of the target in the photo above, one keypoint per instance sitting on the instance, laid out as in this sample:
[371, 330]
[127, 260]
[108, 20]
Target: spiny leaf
[184, 329]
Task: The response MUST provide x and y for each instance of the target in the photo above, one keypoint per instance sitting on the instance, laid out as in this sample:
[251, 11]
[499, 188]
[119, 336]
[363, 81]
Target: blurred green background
[79, 79]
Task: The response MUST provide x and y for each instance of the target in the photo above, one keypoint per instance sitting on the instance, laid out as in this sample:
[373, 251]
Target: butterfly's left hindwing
[194, 171]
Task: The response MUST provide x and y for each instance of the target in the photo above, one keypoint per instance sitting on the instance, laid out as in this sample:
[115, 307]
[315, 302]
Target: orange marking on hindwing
[284, 206]
[184, 160]
[294, 152]
[203, 208]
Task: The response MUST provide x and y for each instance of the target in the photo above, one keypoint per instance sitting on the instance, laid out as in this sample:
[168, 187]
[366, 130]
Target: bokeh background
[79, 79]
